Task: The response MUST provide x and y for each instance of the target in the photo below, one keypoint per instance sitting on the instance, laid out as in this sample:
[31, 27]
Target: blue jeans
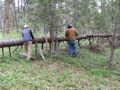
[72, 48]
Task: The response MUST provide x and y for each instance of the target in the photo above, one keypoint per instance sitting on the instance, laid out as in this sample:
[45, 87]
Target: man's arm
[66, 33]
[22, 34]
[76, 33]
[31, 34]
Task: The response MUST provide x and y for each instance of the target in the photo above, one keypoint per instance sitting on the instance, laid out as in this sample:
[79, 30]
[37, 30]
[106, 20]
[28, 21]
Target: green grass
[88, 71]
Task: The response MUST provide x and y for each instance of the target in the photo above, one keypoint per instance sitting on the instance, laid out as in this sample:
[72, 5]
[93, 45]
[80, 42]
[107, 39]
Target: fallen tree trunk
[16, 42]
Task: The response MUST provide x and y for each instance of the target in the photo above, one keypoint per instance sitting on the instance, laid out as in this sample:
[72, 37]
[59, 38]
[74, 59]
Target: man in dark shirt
[27, 41]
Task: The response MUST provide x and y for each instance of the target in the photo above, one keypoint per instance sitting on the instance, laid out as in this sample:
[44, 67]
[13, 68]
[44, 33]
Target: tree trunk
[18, 10]
[15, 15]
[9, 43]
[7, 26]
[115, 23]
[0, 19]
[46, 41]
[112, 46]
[5, 15]
[52, 29]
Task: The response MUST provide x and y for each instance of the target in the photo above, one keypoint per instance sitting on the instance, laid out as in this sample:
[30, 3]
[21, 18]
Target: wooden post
[9, 52]
[2, 52]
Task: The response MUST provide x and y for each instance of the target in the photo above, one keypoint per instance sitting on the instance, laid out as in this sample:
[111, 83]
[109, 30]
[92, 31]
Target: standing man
[71, 34]
[27, 41]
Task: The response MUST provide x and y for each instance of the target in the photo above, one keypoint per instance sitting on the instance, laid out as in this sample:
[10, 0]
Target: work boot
[32, 58]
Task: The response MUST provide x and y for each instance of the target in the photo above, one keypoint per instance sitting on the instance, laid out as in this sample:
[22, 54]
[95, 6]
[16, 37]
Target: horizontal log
[16, 42]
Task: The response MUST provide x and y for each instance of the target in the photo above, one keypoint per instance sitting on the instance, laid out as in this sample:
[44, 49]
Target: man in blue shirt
[27, 41]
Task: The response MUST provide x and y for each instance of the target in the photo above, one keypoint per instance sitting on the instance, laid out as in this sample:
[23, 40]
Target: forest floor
[87, 71]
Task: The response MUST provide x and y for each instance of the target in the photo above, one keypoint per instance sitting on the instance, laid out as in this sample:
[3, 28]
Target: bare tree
[115, 20]
[15, 15]
[0, 18]
[113, 43]
[7, 25]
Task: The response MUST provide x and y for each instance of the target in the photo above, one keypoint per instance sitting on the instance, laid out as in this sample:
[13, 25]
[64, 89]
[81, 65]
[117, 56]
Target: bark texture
[16, 42]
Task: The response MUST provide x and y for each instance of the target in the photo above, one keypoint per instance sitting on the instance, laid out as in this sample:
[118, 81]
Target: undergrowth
[88, 71]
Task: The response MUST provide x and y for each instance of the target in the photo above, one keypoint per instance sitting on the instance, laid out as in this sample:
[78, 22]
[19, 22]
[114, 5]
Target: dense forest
[89, 17]
[95, 68]
[52, 16]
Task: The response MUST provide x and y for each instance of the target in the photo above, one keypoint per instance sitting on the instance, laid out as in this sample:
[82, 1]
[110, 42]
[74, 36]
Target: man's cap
[70, 25]
[25, 26]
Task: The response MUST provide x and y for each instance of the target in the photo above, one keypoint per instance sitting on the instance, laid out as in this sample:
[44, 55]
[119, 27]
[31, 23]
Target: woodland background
[53, 16]
[88, 16]
[97, 67]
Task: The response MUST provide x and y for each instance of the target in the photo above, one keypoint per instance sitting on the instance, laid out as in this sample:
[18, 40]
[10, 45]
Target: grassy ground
[88, 71]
